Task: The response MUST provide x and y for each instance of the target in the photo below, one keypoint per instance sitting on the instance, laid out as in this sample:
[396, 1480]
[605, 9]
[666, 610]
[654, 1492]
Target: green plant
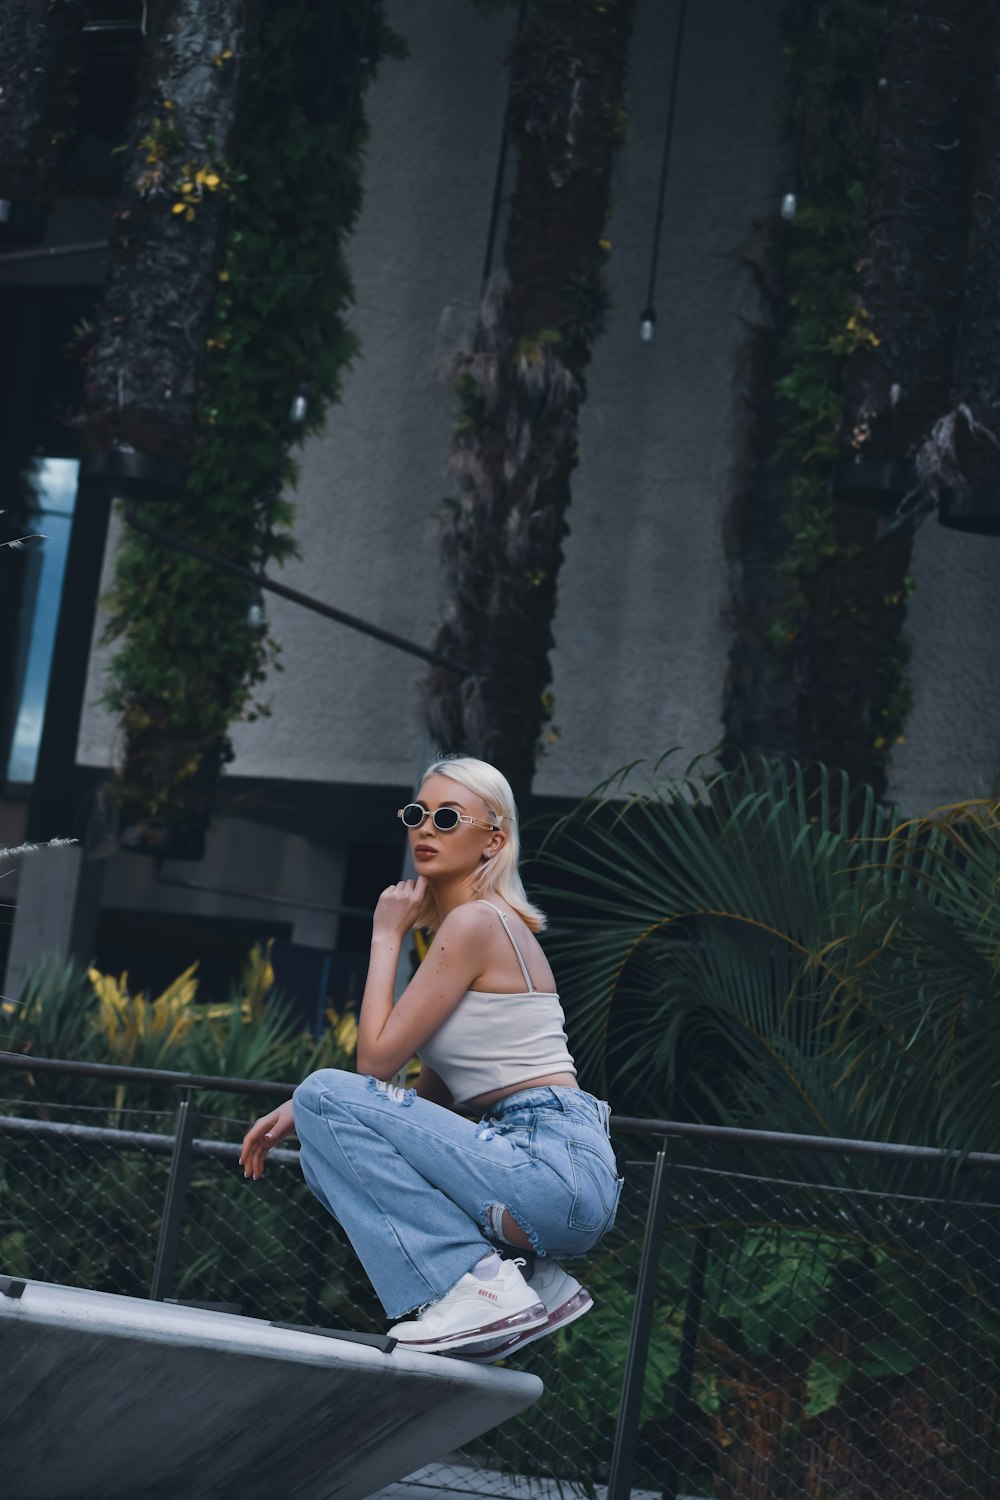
[522, 382]
[87, 1214]
[96, 1017]
[188, 663]
[758, 945]
[762, 943]
[823, 656]
[705, 894]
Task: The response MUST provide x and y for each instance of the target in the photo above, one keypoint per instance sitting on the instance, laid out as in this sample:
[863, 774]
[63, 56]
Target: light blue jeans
[420, 1191]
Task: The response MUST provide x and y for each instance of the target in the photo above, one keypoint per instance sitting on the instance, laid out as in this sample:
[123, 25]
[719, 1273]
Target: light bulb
[789, 206]
[646, 325]
[255, 614]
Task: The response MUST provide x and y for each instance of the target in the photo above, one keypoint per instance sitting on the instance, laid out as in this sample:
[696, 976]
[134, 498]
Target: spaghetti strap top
[507, 929]
[495, 1038]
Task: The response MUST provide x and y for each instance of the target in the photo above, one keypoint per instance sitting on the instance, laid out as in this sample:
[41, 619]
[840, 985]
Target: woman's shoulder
[471, 916]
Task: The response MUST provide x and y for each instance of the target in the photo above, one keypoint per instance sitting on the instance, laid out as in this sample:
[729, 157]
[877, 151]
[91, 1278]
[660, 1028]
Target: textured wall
[953, 734]
[642, 639]
[641, 635]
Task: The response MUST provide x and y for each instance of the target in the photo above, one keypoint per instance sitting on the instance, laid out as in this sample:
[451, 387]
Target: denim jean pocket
[597, 1189]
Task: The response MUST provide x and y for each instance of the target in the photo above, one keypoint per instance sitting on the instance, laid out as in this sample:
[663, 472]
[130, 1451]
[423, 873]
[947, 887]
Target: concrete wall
[641, 635]
[641, 640]
[953, 734]
[641, 631]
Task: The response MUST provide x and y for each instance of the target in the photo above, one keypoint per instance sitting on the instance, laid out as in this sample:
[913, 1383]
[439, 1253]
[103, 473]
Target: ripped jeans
[420, 1191]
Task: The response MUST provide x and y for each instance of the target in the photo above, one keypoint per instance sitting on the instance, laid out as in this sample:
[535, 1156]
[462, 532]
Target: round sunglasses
[445, 819]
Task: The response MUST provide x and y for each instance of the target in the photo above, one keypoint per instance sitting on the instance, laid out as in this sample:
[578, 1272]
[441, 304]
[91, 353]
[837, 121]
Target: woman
[426, 1194]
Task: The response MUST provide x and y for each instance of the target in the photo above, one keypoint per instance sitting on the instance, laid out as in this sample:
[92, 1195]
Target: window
[53, 481]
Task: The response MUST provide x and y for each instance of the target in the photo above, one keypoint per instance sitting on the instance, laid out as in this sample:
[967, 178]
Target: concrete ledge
[109, 1398]
[462, 1481]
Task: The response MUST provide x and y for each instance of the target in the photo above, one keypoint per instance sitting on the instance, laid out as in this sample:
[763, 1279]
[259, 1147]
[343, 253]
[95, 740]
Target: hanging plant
[897, 121]
[144, 371]
[270, 202]
[39, 48]
[959, 461]
[832, 55]
[521, 384]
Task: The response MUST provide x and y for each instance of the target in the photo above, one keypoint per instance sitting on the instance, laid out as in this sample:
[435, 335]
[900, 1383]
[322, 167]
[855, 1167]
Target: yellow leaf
[178, 208]
[181, 990]
[346, 1033]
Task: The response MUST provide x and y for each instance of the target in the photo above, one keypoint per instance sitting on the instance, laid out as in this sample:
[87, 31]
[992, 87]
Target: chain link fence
[820, 1326]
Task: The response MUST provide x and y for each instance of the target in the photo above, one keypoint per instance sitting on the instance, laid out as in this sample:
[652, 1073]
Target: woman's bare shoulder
[469, 918]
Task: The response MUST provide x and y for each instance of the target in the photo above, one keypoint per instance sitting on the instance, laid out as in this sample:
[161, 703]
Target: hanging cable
[501, 171]
[647, 318]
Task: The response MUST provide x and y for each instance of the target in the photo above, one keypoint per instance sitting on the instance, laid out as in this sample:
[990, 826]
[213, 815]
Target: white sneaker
[472, 1311]
[564, 1300]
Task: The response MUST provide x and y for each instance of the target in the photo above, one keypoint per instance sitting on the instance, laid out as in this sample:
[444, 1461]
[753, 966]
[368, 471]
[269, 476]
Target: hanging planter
[21, 223]
[179, 830]
[521, 385]
[182, 841]
[124, 474]
[215, 309]
[971, 507]
[878, 486]
[39, 52]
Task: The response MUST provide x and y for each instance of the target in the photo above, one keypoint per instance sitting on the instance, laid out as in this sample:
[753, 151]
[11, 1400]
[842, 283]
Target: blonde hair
[500, 874]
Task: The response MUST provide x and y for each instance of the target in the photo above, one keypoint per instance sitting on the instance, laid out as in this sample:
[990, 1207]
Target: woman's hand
[398, 908]
[262, 1135]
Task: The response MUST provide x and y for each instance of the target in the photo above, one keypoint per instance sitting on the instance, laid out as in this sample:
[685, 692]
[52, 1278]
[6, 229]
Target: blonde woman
[497, 1148]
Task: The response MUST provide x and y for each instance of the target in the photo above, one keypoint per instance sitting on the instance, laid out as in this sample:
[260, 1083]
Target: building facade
[307, 834]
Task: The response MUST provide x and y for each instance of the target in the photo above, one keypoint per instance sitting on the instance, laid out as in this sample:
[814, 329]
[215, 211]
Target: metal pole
[668, 136]
[261, 581]
[173, 1202]
[685, 1365]
[623, 1454]
[116, 1073]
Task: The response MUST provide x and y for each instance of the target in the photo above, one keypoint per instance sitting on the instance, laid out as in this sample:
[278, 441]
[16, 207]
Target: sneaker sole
[574, 1307]
[532, 1317]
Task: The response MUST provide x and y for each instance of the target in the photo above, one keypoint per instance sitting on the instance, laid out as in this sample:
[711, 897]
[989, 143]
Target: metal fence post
[173, 1202]
[627, 1427]
[685, 1364]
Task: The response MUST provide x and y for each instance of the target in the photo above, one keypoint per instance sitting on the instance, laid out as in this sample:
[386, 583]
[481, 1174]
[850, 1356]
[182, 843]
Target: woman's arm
[262, 1136]
[388, 1035]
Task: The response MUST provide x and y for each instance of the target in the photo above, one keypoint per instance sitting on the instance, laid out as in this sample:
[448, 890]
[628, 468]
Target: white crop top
[493, 1039]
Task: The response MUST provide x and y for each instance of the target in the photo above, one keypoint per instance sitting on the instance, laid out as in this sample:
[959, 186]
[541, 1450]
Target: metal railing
[776, 1317]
